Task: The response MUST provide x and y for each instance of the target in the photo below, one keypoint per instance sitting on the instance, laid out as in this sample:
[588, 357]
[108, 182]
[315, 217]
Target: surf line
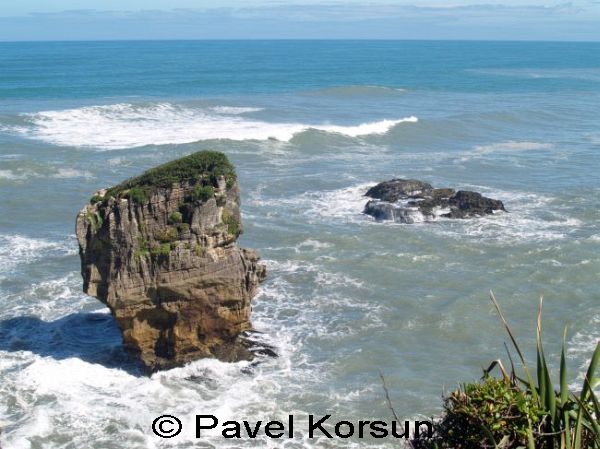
[318, 427]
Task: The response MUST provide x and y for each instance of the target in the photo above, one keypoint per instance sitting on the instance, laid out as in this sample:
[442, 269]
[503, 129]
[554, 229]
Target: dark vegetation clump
[96, 199]
[137, 194]
[175, 218]
[205, 166]
[183, 227]
[201, 193]
[167, 235]
[521, 410]
[162, 250]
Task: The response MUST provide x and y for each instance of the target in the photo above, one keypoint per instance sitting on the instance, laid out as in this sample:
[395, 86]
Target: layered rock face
[410, 201]
[160, 251]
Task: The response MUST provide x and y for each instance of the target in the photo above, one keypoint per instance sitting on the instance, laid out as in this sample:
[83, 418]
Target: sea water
[310, 126]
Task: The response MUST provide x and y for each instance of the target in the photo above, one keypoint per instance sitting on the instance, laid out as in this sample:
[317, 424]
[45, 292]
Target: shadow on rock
[91, 337]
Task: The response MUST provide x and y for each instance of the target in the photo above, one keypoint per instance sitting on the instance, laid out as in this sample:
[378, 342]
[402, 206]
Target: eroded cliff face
[166, 262]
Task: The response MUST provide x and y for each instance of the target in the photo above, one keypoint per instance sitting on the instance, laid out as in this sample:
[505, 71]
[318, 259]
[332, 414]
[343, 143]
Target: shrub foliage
[207, 166]
[517, 410]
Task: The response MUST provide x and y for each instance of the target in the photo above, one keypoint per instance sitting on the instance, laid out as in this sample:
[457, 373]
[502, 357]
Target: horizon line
[32, 41]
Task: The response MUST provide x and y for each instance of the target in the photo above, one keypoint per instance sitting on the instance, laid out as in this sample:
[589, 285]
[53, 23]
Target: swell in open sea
[310, 126]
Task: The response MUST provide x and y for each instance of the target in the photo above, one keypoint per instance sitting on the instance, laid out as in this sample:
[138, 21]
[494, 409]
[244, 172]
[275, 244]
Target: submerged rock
[160, 251]
[410, 201]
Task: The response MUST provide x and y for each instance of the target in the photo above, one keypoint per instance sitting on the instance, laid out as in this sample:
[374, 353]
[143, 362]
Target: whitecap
[234, 110]
[582, 345]
[346, 203]
[127, 126]
[18, 249]
[60, 173]
[13, 175]
[72, 173]
[52, 299]
[506, 147]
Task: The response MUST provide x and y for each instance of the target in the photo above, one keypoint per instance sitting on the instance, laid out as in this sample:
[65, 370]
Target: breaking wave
[126, 126]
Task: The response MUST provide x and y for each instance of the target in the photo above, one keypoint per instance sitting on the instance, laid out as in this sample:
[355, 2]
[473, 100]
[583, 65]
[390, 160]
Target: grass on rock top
[203, 165]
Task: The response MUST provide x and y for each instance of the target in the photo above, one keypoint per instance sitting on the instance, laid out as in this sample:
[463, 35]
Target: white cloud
[430, 19]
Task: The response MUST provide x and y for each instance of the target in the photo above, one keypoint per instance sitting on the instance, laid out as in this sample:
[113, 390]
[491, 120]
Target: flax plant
[520, 408]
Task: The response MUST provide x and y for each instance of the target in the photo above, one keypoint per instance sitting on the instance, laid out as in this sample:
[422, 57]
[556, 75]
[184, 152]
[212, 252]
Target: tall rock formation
[160, 251]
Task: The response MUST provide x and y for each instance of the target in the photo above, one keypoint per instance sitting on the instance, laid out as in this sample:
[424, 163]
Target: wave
[592, 74]
[357, 90]
[14, 175]
[18, 249]
[51, 299]
[511, 146]
[22, 174]
[582, 345]
[345, 204]
[126, 125]
[504, 148]
[234, 110]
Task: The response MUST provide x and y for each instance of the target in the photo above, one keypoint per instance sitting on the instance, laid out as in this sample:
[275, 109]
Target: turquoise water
[310, 126]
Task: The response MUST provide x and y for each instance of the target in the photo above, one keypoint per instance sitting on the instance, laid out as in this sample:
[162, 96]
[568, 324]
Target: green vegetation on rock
[175, 217]
[167, 235]
[96, 199]
[233, 226]
[202, 193]
[183, 227]
[205, 166]
[137, 194]
[95, 219]
[199, 250]
[143, 249]
[161, 250]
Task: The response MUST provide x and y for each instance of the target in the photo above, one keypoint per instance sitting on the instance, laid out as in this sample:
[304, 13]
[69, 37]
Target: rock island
[160, 251]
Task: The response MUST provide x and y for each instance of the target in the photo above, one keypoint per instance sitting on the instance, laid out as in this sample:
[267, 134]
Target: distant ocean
[310, 125]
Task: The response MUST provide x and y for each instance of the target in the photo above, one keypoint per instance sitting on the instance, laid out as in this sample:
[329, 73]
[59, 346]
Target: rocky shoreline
[411, 201]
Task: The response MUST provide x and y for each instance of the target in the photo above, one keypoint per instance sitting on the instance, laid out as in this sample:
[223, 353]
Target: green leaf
[591, 373]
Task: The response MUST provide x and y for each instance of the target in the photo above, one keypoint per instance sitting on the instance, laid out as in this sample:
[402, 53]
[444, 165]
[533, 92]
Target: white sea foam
[51, 299]
[506, 147]
[530, 217]
[18, 249]
[582, 345]
[126, 126]
[79, 400]
[60, 173]
[308, 245]
[234, 110]
[15, 175]
[72, 173]
[346, 203]
[313, 244]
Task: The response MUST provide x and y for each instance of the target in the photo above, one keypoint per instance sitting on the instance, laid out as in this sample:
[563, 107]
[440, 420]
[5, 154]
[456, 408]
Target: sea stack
[411, 201]
[160, 251]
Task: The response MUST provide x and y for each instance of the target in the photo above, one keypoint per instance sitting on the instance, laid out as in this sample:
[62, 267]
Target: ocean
[310, 126]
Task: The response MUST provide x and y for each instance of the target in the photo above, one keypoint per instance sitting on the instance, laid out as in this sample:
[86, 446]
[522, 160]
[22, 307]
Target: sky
[575, 20]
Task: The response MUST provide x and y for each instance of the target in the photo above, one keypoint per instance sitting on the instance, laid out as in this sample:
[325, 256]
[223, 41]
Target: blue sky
[575, 20]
